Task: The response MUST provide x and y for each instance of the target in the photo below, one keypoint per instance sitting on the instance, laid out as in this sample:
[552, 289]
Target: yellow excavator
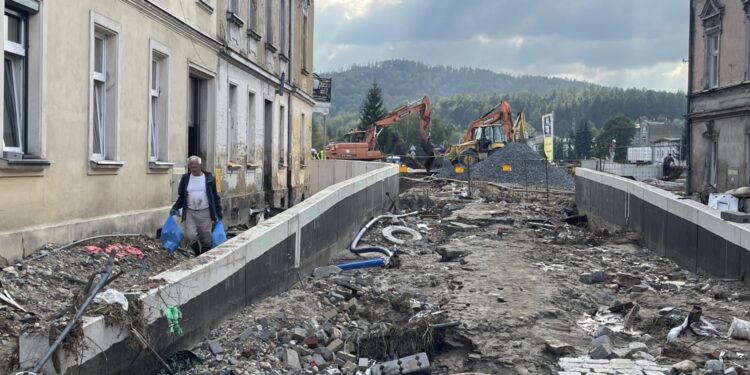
[488, 133]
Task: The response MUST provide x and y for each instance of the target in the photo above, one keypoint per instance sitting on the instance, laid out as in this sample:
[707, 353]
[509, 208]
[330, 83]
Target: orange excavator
[360, 144]
[488, 133]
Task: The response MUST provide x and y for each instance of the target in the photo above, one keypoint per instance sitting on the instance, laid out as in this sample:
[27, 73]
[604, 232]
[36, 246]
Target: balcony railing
[321, 89]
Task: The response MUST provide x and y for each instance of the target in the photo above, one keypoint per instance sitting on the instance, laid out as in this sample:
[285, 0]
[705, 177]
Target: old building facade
[104, 101]
[719, 94]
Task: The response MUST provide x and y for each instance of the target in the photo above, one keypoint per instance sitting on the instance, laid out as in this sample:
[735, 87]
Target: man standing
[667, 165]
[201, 205]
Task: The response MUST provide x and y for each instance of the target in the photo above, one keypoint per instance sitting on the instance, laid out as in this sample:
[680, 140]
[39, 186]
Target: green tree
[619, 128]
[583, 140]
[558, 150]
[570, 152]
[372, 108]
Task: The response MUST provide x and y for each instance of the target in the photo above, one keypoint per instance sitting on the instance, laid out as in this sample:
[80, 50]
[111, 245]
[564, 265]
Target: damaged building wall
[719, 95]
[65, 188]
[263, 100]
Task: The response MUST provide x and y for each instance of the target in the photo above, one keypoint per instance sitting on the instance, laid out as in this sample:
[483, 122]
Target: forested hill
[403, 80]
[460, 95]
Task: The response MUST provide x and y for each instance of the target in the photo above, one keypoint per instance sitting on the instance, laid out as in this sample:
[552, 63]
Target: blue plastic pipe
[376, 262]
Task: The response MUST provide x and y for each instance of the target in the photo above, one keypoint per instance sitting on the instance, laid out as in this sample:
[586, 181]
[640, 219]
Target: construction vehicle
[360, 144]
[488, 133]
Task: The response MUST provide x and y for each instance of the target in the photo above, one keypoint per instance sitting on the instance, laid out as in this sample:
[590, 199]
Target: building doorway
[197, 119]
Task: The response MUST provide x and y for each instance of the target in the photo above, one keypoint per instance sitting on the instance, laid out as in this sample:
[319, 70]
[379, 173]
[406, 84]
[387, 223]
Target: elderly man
[201, 205]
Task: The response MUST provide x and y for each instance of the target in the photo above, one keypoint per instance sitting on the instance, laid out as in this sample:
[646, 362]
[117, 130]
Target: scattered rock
[558, 347]
[685, 366]
[604, 331]
[593, 278]
[215, 347]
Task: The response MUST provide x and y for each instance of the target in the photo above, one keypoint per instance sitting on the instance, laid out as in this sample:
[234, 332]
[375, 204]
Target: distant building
[719, 94]
[648, 132]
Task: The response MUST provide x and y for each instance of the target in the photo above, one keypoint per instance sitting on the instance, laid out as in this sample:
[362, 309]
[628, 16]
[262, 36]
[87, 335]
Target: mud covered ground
[45, 286]
[506, 276]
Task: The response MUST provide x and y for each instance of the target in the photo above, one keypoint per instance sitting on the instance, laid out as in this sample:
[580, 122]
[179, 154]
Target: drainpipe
[688, 121]
[289, 119]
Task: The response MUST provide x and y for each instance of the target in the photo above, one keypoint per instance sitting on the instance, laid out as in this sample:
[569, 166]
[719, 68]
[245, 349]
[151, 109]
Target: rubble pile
[340, 324]
[527, 168]
[45, 285]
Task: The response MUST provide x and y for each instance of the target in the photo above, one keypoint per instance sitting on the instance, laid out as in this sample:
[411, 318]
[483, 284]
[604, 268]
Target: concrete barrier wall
[262, 261]
[691, 234]
[325, 173]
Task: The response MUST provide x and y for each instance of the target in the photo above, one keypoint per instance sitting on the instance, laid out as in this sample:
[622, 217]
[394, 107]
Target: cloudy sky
[626, 43]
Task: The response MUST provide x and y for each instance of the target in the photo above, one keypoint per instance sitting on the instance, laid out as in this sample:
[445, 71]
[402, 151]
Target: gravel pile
[528, 168]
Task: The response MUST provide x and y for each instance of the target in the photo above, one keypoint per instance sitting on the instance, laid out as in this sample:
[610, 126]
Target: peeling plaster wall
[67, 192]
[726, 108]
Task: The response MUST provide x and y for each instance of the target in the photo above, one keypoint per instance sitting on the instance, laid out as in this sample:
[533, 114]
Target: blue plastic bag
[218, 236]
[171, 234]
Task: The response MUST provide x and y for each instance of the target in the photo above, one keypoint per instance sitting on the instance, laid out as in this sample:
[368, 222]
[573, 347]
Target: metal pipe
[103, 280]
[373, 248]
[688, 121]
[376, 262]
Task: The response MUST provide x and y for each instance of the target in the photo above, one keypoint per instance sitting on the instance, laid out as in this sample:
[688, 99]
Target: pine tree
[583, 140]
[372, 108]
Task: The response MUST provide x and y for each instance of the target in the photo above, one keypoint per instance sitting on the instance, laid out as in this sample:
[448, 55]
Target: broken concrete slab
[593, 277]
[215, 347]
[290, 358]
[558, 347]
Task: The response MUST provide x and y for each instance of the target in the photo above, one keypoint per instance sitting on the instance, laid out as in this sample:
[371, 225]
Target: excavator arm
[421, 106]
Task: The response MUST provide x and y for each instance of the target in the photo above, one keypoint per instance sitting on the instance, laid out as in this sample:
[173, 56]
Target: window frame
[282, 136]
[252, 19]
[268, 7]
[109, 31]
[302, 148]
[158, 106]
[713, 56]
[18, 73]
[251, 128]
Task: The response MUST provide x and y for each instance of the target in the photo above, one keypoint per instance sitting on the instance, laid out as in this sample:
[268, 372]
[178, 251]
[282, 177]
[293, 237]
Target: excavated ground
[518, 296]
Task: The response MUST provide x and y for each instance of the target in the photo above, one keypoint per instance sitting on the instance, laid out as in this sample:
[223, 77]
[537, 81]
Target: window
[714, 157]
[252, 16]
[283, 28]
[304, 44]
[158, 134]
[282, 135]
[232, 124]
[712, 53]
[103, 89]
[302, 148]
[14, 121]
[251, 121]
[233, 6]
[269, 25]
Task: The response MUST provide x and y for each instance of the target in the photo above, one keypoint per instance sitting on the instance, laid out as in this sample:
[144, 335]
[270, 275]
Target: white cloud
[353, 9]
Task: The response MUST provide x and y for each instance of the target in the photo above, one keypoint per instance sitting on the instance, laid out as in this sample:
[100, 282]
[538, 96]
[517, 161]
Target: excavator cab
[490, 138]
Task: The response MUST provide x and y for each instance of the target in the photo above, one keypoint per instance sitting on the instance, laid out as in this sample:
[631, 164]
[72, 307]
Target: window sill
[282, 166]
[305, 72]
[235, 19]
[251, 166]
[24, 164]
[160, 166]
[283, 57]
[234, 166]
[106, 164]
[205, 6]
[303, 165]
[271, 48]
[251, 33]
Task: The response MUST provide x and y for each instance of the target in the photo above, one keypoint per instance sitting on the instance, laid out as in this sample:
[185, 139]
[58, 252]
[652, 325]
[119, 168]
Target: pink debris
[120, 250]
[135, 251]
[91, 249]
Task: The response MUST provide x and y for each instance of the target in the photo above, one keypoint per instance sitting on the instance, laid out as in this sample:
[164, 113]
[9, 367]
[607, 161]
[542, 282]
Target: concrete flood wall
[263, 261]
[691, 234]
